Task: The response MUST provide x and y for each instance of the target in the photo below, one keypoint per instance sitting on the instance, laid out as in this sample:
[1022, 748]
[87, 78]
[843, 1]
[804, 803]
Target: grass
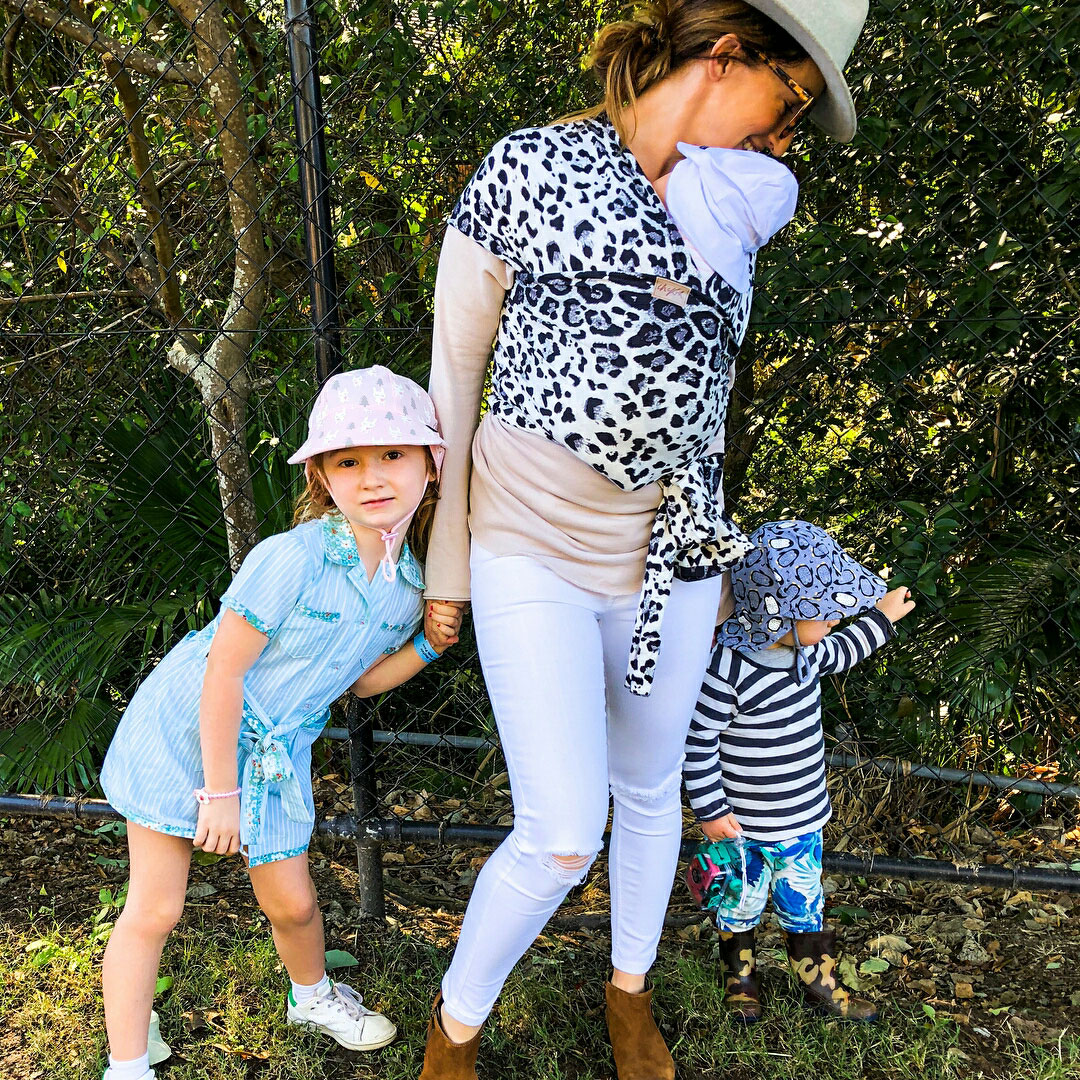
[224, 1015]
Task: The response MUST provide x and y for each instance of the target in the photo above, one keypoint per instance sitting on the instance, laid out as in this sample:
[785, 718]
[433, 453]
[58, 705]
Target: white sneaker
[340, 1013]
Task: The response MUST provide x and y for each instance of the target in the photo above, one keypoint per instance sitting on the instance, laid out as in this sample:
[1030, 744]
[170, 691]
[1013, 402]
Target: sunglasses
[806, 99]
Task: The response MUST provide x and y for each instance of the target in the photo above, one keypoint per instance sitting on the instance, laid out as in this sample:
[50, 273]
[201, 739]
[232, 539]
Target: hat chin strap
[387, 564]
[802, 665]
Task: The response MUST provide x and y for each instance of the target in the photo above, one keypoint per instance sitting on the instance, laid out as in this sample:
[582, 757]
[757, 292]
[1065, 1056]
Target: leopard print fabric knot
[691, 537]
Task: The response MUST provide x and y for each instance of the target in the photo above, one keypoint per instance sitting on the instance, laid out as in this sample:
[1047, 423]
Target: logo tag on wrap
[671, 291]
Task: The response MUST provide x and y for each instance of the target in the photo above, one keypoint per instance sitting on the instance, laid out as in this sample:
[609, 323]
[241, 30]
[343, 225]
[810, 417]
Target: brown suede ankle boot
[639, 1048]
[742, 994]
[446, 1060]
[813, 959]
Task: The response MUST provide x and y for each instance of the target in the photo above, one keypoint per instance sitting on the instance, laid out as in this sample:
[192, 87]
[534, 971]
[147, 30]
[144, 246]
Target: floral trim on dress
[270, 763]
[189, 834]
[317, 720]
[248, 616]
[277, 856]
[409, 568]
[157, 826]
[339, 544]
[322, 616]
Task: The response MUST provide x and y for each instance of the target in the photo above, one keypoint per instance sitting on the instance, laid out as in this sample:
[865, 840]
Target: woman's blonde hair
[315, 502]
[660, 36]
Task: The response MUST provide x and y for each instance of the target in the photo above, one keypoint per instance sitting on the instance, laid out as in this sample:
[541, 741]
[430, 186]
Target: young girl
[755, 755]
[215, 746]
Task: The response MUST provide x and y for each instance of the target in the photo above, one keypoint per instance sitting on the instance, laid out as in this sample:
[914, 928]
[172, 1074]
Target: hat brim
[316, 446]
[733, 635]
[834, 112]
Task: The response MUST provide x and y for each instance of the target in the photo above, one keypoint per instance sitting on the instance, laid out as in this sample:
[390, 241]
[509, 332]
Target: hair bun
[656, 37]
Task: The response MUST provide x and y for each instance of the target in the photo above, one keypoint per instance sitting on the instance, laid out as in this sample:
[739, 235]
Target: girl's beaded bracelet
[203, 796]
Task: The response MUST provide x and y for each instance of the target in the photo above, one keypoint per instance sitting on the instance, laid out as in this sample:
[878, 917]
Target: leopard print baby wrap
[611, 342]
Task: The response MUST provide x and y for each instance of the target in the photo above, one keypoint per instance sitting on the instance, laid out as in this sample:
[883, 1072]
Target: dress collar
[339, 546]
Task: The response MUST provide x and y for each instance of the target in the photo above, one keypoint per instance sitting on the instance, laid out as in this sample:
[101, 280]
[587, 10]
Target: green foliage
[909, 379]
[916, 372]
[144, 568]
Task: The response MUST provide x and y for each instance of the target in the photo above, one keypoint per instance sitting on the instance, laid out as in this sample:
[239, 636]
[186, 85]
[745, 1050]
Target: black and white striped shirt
[756, 747]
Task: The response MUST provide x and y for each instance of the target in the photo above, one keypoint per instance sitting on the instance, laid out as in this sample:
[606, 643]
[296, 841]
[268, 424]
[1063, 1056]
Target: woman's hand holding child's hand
[442, 624]
[217, 831]
[722, 828]
[896, 603]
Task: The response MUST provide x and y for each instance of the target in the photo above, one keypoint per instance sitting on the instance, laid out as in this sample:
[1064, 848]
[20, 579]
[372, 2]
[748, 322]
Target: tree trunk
[742, 432]
[220, 372]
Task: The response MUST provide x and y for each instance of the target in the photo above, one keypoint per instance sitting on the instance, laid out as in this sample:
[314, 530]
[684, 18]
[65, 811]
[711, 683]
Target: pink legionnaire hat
[372, 407]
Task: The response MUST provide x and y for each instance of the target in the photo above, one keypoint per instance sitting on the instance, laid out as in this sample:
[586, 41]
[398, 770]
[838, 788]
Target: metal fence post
[372, 901]
[314, 186]
[319, 247]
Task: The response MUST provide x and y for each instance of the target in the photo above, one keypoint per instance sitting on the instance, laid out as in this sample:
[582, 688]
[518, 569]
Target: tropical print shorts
[733, 878]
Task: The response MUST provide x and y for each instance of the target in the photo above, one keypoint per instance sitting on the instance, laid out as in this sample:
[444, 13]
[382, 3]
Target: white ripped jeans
[554, 658]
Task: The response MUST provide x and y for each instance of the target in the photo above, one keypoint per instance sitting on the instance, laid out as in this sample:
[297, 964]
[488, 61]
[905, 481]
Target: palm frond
[59, 645]
[57, 750]
[994, 653]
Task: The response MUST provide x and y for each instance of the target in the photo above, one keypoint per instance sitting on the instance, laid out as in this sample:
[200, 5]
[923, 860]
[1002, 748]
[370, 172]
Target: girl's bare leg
[287, 897]
[155, 902]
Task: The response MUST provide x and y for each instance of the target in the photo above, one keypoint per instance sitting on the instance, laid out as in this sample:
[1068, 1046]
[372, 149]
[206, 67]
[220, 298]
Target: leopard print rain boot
[813, 959]
[742, 993]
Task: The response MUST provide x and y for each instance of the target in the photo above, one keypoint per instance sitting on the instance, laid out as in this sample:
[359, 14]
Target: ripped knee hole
[569, 869]
[573, 862]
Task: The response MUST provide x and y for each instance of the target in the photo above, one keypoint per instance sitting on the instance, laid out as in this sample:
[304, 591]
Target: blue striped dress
[326, 623]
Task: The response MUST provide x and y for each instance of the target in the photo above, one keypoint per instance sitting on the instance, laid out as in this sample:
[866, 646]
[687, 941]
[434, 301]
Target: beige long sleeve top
[521, 493]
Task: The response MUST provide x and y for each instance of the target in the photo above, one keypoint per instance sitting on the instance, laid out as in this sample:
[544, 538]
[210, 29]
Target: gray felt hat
[827, 30]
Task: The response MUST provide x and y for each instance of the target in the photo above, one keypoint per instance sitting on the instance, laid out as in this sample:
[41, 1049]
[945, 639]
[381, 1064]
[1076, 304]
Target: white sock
[135, 1069]
[302, 993]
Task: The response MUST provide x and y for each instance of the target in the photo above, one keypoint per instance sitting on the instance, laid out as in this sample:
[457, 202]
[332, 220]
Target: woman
[589, 498]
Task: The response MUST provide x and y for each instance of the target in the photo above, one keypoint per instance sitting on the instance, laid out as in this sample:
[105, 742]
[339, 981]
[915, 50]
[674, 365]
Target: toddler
[755, 754]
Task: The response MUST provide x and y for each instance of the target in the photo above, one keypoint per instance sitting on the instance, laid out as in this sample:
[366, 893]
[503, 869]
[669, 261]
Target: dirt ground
[1003, 966]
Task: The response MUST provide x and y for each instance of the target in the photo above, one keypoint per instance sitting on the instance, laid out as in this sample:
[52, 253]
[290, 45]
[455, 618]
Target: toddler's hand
[722, 828]
[217, 831]
[442, 624]
[896, 603]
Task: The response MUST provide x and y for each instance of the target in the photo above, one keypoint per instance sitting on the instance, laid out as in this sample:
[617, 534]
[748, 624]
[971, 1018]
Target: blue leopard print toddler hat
[796, 571]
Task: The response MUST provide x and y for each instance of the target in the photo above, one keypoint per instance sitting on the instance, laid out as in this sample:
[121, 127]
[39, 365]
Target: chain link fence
[185, 252]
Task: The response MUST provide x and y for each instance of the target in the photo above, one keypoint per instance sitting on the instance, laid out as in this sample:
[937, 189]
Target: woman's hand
[218, 829]
[722, 828]
[896, 603]
[442, 624]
